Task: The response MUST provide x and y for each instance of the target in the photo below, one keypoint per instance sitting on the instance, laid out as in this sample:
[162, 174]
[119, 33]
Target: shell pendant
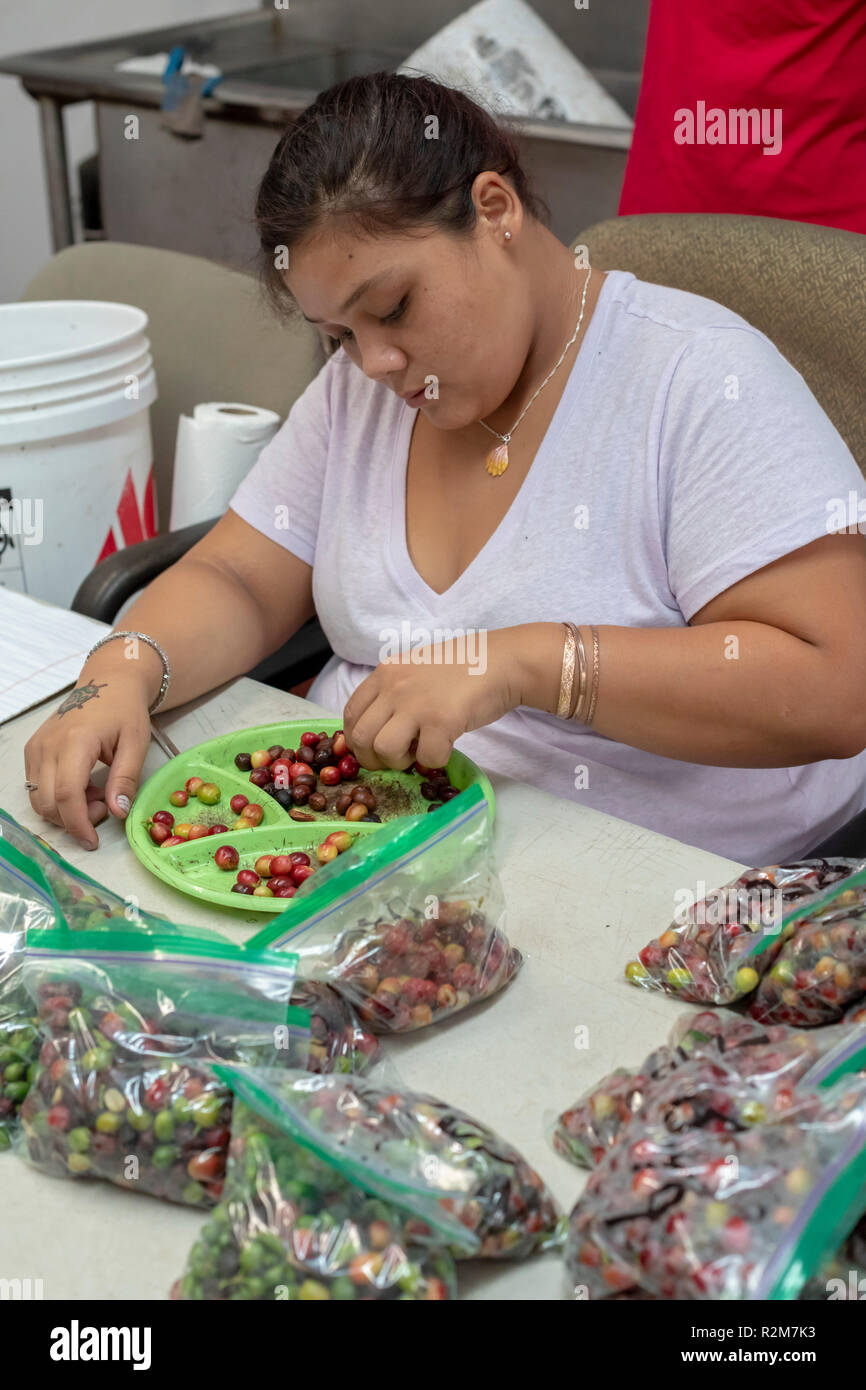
[497, 460]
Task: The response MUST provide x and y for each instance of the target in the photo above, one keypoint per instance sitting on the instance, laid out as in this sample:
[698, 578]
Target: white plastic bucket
[76, 455]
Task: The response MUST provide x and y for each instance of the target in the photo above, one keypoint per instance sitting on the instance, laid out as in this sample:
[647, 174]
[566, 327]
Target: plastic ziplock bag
[769, 1058]
[131, 1026]
[463, 1182]
[680, 1211]
[40, 891]
[26, 905]
[409, 929]
[717, 952]
[293, 1226]
[821, 969]
[79, 901]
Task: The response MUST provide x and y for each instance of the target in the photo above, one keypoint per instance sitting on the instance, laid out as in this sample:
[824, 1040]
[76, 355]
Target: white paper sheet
[42, 650]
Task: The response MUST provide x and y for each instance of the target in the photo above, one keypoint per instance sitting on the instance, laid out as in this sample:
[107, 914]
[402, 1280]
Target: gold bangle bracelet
[567, 679]
[595, 664]
[580, 704]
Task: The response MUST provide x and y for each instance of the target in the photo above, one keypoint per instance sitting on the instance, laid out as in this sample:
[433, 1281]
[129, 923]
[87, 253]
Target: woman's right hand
[104, 719]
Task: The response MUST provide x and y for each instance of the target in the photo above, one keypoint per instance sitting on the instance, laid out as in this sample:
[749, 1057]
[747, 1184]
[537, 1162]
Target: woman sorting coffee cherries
[593, 509]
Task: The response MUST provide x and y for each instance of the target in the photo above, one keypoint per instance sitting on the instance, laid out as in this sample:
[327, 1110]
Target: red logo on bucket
[131, 524]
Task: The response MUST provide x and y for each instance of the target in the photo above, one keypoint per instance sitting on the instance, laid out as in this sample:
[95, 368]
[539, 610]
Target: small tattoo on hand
[76, 698]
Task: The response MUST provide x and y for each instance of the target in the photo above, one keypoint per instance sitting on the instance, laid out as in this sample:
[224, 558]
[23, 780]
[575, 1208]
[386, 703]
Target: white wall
[28, 26]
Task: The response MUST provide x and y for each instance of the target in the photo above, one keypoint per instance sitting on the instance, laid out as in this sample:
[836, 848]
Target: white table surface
[584, 892]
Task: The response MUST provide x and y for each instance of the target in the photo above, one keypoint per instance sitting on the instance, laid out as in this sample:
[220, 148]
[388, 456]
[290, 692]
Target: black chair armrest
[116, 579]
[849, 841]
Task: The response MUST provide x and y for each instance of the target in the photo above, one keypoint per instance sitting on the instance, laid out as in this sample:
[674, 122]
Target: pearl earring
[507, 236]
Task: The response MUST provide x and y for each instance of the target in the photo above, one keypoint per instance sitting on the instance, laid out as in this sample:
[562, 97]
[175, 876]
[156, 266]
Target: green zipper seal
[91, 946]
[836, 1210]
[390, 846]
[404, 1195]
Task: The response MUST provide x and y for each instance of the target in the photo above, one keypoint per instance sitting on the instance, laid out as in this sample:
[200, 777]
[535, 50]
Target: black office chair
[121, 575]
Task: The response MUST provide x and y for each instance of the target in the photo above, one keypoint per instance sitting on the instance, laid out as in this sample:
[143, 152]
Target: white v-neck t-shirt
[684, 454]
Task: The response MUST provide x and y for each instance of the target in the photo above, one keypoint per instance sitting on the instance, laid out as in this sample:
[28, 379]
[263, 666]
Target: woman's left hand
[414, 707]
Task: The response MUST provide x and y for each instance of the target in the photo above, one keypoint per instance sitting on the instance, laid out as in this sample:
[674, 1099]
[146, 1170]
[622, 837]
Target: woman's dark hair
[362, 154]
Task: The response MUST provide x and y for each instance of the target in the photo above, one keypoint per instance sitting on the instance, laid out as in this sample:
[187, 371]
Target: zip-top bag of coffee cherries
[411, 930]
[40, 890]
[338, 1188]
[44, 899]
[730, 1181]
[792, 936]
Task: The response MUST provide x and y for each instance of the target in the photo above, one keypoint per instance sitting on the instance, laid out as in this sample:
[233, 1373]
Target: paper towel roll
[216, 448]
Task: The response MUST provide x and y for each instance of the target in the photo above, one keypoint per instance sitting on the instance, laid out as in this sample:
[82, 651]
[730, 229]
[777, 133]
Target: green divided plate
[190, 867]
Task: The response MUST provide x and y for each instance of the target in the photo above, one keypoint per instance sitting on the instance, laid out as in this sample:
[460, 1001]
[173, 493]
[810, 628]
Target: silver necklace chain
[506, 437]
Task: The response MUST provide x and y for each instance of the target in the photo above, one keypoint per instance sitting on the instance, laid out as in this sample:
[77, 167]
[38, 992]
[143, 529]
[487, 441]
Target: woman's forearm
[209, 626]
[738, 694]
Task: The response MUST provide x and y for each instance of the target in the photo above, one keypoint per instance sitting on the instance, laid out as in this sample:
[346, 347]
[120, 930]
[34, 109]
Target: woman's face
[437, 306]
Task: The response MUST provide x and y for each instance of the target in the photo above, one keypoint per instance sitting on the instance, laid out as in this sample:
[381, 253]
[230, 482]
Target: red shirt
[801, 63]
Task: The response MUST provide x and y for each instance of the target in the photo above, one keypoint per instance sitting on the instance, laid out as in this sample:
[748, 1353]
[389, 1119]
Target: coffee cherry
[243, 761]
[288, 891]
[342, 803]
[305, 755]
[260, 777]
[448, 793]
[339, 744]
[297, 856]
[198, 831]
[260, 758]
[159, 833]
[180, 797]
[366, 796]
[281, 864]
[348, 767]
[242, 888]
[248, 876]
[283, 797]
[372, 817]
[323, 757]
[238, 803]
[172, 840]
[253, 812]
[209, 793]
[329, 775]
[297, 770]
[192, 784]
[429, 790]
[309, 740]
[182, 829]
[279, 881]
[226, 857]
[275, 750]
[218, 829]
[263, 865]
[341, 838]
[269, 789]
[300, 795]
[163, 818]
[263, 891]
[435, 806]
[300, 872]
[325, 853]
[357, 811]
[318, 801]
[242, 824]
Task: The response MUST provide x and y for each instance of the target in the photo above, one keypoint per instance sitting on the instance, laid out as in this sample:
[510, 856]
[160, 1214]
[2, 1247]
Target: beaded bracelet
[166, 667]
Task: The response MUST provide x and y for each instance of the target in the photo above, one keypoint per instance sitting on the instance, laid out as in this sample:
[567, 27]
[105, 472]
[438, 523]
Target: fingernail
[85, 844]
[123, 803]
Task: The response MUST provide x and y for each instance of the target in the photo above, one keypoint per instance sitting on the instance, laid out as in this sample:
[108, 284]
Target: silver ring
[32, 786]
